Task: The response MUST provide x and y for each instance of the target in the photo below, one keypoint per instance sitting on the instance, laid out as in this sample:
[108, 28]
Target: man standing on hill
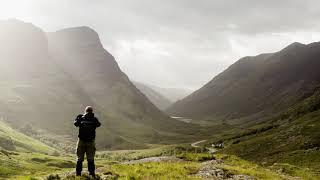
[87, 124]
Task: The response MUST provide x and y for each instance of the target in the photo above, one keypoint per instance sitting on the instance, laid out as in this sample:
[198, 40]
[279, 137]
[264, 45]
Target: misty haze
[176, 89]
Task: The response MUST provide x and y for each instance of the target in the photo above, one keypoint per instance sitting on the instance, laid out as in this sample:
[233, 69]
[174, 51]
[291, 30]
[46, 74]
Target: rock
[109, 176]
[7, 144]
[209, 170]
[242, 177]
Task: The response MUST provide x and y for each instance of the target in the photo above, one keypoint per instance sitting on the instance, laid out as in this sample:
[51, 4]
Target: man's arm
[98, 124]
[77, 121]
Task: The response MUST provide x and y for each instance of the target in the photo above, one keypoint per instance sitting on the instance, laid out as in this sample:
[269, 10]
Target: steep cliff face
[125, 109]
[35, 90]
[23, 46]
[264, 84]
[48, 78]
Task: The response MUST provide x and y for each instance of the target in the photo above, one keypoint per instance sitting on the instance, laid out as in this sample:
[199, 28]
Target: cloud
[178, 43]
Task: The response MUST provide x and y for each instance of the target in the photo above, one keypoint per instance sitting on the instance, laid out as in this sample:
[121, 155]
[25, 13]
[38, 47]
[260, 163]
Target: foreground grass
[155, 170]
[188, 168]
[25, 165]
[37, 166]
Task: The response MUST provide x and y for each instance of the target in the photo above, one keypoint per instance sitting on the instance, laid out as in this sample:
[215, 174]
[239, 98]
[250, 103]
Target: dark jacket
[87, 124]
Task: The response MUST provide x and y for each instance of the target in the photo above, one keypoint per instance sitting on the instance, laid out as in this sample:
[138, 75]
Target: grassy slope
[288, 143]
[21, 142]
[292, 147]
[21, 165]
[22, 156]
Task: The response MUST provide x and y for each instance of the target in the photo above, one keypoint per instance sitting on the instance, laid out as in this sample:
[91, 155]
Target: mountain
[155, 97]
[273, 100]
[256, 87]
[48, 78]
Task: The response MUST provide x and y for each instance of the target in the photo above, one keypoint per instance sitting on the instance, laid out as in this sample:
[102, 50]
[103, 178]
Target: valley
[258, 119]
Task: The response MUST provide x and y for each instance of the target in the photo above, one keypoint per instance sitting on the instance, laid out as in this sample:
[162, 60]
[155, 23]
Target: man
[87, 124]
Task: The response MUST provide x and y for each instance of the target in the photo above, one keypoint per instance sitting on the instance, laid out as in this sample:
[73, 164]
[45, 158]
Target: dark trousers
[87, 148]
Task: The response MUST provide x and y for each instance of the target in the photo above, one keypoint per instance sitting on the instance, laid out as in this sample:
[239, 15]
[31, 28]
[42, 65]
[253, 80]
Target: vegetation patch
[198, 157]
[27, 165]
[63, 164]
[40, 160]
[235, 165]
[286, 168]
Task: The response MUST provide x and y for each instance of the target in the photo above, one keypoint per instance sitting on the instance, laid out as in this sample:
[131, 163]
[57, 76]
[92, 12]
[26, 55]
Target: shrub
[53, 177]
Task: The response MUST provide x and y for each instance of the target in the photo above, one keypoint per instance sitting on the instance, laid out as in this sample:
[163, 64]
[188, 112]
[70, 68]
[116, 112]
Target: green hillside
[13, 140]
[22, 156]
[290, 142]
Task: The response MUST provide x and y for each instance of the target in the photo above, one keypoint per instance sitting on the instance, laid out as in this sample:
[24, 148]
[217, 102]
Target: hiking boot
[92, 176]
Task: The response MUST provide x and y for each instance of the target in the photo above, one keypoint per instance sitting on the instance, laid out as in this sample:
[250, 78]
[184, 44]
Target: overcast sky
[178, 43]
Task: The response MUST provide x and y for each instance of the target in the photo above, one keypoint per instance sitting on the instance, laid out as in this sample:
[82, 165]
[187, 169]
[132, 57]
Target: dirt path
[195, 144]
[210, 150]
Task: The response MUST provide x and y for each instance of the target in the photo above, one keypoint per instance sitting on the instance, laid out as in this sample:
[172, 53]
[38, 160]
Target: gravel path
[195, 144]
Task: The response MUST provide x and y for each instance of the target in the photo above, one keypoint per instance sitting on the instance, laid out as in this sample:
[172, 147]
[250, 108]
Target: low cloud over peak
[178, 43]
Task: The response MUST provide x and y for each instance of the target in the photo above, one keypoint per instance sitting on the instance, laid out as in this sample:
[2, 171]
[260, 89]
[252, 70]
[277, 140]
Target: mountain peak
[294, 45]
[13, 21]
[78, 36]
[16, 24]
[84, 30]
[16, 35]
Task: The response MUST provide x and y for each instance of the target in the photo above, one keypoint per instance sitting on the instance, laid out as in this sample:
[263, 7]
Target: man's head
[88, 109]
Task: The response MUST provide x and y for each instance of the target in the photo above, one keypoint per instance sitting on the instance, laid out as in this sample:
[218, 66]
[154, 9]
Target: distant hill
[256, 87]
[173, 94]
[46, 79]
[155, 97]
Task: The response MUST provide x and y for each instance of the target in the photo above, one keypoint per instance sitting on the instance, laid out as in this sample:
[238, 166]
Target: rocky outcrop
[209, 170]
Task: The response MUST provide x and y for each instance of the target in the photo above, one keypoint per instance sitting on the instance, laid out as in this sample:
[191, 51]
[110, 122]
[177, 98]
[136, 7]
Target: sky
[178, 43]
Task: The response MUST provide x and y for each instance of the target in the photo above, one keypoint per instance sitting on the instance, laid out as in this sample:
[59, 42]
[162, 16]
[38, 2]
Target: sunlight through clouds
[175, 37]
